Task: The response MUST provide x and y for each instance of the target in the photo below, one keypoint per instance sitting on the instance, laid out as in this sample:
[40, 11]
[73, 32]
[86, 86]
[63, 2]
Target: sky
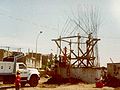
[22, 20]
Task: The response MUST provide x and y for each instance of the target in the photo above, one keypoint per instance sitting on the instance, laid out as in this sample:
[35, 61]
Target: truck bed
[6, 68]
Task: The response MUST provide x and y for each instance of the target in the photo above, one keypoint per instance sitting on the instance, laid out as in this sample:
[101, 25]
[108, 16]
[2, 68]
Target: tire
[33, 81]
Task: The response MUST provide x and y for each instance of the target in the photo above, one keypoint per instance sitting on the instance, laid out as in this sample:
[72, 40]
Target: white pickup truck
[28, 75]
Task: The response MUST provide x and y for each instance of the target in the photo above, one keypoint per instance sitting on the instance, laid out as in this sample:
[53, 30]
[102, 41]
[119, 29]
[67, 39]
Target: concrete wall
[85, 74]
[113, 69]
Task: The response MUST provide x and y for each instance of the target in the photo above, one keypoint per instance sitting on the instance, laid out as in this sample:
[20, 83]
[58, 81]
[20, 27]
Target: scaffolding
[78, 52]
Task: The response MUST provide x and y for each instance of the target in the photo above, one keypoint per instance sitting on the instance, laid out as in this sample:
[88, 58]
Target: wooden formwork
[76, 51]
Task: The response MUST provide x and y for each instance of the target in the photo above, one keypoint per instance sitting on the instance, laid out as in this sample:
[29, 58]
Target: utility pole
[36, 46]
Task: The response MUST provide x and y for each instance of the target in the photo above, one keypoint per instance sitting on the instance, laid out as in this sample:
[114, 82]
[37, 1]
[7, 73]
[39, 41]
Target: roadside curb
[5, 87]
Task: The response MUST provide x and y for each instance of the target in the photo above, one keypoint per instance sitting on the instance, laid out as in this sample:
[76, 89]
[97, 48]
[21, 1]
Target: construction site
[78, 54]
[77, 62]
[74, 65]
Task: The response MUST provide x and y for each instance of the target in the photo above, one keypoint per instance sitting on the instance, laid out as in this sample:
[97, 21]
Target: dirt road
[68, 86]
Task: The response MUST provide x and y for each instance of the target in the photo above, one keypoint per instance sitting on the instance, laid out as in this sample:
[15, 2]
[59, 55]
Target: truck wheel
[33, 81]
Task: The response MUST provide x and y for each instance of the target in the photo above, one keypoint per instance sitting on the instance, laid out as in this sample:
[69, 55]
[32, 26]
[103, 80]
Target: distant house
[4, 53]
[9, 56]
[47, 58]
[1, 54]
[41, 61]
[34, 60]
[21, 58]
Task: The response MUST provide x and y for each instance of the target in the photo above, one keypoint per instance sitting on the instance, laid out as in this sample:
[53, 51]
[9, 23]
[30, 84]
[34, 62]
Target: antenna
[111, 60]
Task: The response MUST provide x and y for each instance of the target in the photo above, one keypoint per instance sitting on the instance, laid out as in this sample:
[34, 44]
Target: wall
[113, 69]
[87, 75]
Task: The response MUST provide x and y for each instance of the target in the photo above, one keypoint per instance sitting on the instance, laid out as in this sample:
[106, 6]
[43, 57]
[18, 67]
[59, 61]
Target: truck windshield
[21, 66]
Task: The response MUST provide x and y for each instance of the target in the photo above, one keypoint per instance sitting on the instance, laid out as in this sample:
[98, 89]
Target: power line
[26, 21]
[104, 37]
[63, 29]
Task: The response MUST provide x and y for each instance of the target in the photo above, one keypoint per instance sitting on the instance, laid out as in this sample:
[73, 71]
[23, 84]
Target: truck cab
[28, 75]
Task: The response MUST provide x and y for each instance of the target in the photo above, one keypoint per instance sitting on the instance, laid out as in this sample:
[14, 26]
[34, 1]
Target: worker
[18, 81]
[65, 55]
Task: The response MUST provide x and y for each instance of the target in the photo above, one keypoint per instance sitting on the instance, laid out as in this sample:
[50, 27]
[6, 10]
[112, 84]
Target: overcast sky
[21, 21]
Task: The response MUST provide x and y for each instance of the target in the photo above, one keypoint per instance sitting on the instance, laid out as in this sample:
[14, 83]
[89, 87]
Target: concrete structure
[87, 75]
[78, 57]
[113, 69]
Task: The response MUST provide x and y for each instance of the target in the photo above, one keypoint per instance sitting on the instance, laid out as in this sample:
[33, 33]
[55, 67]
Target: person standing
[17, 81]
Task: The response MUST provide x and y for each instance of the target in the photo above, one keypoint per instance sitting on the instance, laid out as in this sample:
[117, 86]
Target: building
[47, 60]
[4, 53]
[31, 60]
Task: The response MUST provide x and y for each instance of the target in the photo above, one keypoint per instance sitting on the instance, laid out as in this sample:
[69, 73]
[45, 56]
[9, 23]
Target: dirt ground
[55, 86]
